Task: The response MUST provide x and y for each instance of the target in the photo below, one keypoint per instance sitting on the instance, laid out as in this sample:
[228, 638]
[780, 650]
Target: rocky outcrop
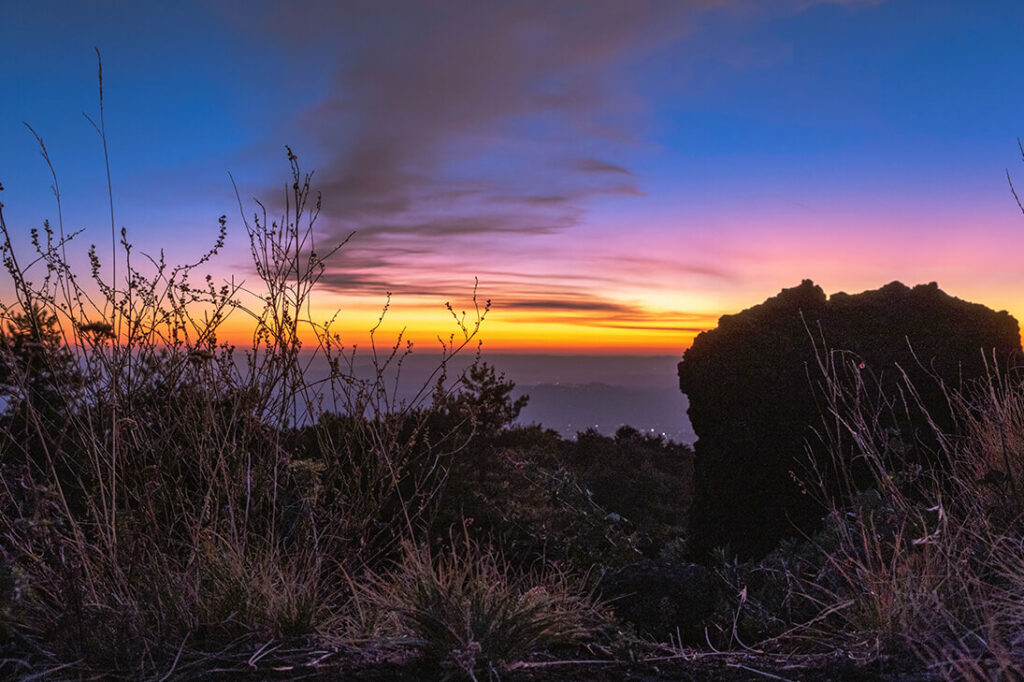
[750, 384]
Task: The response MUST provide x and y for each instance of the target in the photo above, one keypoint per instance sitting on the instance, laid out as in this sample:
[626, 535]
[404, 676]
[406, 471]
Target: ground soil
[698, 668]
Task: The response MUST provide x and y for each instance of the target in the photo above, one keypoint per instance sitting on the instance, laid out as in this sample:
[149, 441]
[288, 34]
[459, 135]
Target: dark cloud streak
[579, 305]
[451, 125]
[455, 119]
[596, 166]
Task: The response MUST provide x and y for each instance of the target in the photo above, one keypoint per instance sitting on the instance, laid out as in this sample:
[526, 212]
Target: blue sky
[616, 174]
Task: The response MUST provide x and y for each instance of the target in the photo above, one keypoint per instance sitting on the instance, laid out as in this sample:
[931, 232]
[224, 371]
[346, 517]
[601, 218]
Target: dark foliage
[511, 487]
[614, 471]
[38, 383]
[483, 401]
[663, 599]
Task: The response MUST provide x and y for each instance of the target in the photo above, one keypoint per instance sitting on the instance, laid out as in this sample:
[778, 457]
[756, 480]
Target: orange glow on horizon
[512, 331]
[426, 327]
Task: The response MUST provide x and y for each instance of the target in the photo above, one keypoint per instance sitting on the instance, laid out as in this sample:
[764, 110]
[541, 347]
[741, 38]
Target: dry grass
[466, 609]
[153, 509]
[928, 559]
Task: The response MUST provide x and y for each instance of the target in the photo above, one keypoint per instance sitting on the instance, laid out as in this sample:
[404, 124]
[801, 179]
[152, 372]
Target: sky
[614, 175]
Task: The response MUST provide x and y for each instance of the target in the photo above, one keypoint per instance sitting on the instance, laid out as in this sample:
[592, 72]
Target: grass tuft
[465, 608]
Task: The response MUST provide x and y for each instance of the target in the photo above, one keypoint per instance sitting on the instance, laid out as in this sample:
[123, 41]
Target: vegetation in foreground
[173, 506]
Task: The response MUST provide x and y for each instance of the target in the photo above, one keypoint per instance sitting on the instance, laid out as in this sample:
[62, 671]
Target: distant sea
[575, 392]
[572, 393]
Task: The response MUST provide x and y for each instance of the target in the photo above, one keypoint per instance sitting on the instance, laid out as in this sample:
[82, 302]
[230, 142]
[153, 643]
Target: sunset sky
[616, 174]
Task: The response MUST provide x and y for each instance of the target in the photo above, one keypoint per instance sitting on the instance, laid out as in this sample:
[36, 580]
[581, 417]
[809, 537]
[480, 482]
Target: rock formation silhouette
[751, 388]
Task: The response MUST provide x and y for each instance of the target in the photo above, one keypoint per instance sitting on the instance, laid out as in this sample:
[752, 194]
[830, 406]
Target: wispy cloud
[575, 305]
[448, 121]
[544, 298]
[661, 267]
[460, 128]
[637, 320]
[584, 309]
[597, 166]
[439, 91]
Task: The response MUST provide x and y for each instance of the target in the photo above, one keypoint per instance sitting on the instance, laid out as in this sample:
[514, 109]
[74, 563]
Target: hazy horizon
[569, 393]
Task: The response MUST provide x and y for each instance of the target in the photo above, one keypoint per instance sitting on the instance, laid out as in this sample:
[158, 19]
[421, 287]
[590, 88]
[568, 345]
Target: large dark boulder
[751, 384]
